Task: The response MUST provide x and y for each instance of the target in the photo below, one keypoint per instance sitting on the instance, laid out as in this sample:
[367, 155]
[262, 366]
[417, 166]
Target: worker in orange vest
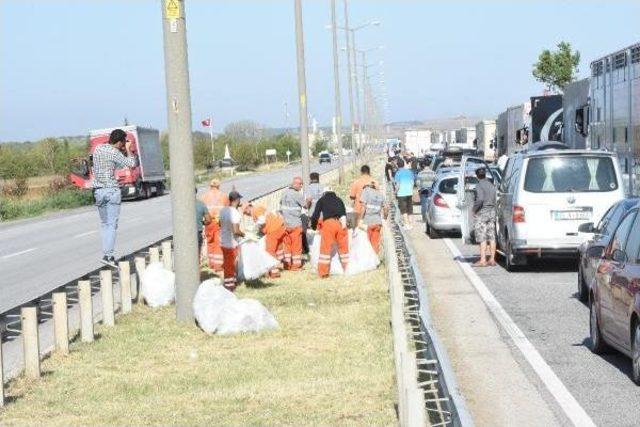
[334, 230]
[357, 186]
[291, 206]
[374, 209]
[271, 226]
[214, 200]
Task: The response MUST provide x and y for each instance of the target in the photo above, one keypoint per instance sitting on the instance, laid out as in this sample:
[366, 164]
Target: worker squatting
[283, 230]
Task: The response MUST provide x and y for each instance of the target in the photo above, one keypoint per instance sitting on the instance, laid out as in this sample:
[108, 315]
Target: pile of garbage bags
[220, 311]
[254, 261]
[158, 285]
[362, 257]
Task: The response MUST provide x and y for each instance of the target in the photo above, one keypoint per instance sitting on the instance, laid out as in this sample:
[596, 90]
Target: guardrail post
[30, 341]
[140, 266]
[106, 292]
[1, 375]
[154, 254]
[61, 322]
[125, 286]
[167, 255]
[86, 311]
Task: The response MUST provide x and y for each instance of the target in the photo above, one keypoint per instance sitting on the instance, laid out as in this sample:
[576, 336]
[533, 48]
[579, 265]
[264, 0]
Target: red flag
[206, 123]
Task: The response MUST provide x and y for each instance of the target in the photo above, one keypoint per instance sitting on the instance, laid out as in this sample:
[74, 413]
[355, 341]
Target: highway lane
[542, 302]
[38, 255]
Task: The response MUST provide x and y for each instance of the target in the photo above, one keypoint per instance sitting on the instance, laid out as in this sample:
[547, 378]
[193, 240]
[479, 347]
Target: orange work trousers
[293, 248]
[332, 234]
[274, 246]
[373, 232]
[214, 250]
[229, 267]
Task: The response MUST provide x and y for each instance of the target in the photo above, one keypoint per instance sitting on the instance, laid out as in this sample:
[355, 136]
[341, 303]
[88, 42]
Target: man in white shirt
[230, 234]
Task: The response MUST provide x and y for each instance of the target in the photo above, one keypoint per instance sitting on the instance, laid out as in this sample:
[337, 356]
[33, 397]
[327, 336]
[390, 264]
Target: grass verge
[329, 364]
[24, 208]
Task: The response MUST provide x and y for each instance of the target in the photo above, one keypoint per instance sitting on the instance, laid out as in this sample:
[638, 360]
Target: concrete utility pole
[336, 79]
[302, 91]
[349, 70]
[357, 92]
[181, 157]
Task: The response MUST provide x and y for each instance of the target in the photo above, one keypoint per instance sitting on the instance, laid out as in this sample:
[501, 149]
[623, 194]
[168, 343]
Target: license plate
[574, 215]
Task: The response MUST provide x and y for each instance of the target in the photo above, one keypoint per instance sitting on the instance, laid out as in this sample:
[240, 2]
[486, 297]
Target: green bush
[65, 199]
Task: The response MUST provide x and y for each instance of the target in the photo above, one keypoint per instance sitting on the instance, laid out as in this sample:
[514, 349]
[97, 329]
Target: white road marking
[19, 253]
[560, 393]
[85, 234]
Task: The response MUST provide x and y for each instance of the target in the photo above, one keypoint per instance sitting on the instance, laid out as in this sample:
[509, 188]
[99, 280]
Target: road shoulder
[496, 389]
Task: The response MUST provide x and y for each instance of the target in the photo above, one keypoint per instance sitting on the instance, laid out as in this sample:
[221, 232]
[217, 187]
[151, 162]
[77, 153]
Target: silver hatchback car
[441, 213]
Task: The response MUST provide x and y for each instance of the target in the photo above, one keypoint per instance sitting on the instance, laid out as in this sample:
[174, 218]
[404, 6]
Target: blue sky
[70, 66]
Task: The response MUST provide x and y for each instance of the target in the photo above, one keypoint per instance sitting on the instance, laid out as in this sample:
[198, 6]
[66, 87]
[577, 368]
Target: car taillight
[439, 201]
[518, 214]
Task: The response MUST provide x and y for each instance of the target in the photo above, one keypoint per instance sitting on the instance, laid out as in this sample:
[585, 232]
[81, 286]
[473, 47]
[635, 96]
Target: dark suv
[324, 157]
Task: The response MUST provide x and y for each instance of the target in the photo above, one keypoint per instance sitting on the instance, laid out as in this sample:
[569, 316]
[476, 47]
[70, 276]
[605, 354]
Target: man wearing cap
[230, 233]
[291, 206]
[373, 210]
[271, 226]
[334, 230]
[214, 200]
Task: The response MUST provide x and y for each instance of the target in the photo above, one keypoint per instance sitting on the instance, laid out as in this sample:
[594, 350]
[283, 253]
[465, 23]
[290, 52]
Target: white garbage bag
[208, 303]
[158, 285]
[254, 261]
[362, 256]
[218, 310]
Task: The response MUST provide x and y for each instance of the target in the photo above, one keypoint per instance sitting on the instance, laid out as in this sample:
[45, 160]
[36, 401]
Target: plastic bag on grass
[254, 261]
[158, 285]
[209, 302]
[362, 257]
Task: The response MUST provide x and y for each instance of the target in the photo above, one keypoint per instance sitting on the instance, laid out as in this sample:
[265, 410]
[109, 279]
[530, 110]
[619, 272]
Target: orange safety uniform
[355, 191]
[215, 200]
[272, 226]
[291, 206]
[373, 232]
[332, 233]
[230, 256]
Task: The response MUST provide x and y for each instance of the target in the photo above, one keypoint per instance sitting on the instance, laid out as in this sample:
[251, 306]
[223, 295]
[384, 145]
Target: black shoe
[109, 261]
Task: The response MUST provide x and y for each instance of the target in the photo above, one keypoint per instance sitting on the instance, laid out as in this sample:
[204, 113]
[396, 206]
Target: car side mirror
[586, 228]
[595, 251]
[619, 255]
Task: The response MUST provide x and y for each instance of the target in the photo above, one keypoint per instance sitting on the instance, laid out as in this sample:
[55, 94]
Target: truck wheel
[160, 189]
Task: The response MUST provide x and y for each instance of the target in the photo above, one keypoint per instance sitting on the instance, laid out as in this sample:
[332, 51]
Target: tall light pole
[336, 78]
[181, 157]
[302, 94]
[350, 73]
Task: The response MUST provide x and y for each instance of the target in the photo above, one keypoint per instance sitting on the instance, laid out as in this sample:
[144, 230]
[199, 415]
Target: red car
[615, 296]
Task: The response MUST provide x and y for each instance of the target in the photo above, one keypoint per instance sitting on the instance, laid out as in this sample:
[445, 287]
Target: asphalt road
[542, 302]
[42, 254]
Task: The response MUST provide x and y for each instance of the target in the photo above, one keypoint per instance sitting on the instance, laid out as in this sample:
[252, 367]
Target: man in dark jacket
[484, 209]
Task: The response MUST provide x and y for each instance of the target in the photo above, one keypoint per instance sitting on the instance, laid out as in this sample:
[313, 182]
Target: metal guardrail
[432, 373]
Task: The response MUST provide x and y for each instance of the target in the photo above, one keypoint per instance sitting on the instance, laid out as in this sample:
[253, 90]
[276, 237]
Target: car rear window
[449, 185]
[564, 174]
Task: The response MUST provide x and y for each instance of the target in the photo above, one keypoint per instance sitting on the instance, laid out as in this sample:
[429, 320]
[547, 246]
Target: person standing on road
[334, 230]
[374, 209]
[215, 200]
[357, 186]
[404, 182]
[230, 233]
[484, 209]
[291, 206]
[106, 159]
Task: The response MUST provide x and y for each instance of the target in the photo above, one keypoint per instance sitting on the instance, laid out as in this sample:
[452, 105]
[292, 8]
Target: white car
[546, 194]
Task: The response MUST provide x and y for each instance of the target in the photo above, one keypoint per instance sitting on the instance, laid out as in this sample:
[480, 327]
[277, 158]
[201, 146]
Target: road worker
[374, 209]
[314, 192]
[214, 200]
[357, 186]
[291, 206]
[334, 230]
[271, 226]
[230, 234]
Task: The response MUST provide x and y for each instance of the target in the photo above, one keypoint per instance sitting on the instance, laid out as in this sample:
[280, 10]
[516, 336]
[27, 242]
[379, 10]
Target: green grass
[24, 208]
[329, 364]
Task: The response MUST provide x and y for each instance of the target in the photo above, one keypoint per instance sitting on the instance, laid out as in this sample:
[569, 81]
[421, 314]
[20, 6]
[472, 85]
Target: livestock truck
[144, 180]
[537, 120]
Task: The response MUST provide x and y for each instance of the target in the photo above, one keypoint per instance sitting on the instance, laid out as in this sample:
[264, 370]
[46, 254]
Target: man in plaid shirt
[106, 159]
